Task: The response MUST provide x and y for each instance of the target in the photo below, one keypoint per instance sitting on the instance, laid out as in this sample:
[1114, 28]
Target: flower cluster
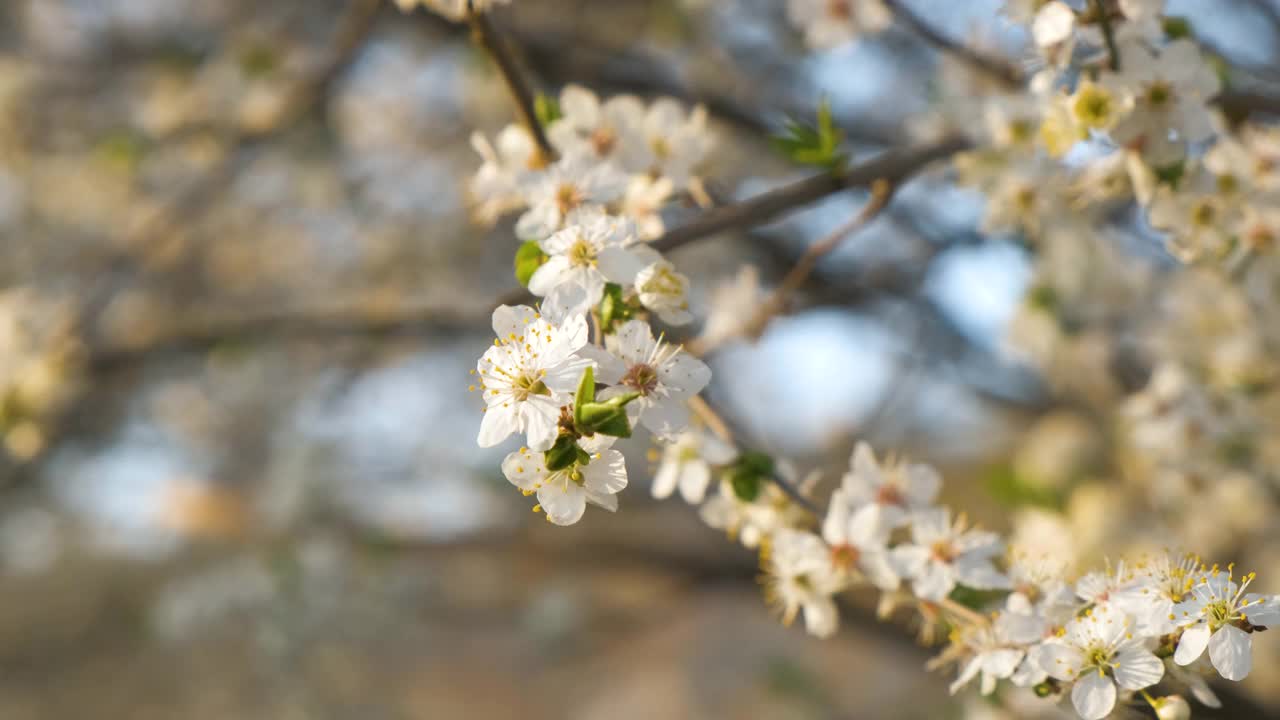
[1120, 112]
[585, 221]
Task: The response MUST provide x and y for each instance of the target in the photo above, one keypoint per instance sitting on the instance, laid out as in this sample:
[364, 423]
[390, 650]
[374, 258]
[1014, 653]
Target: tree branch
[486, 35]
[893, 167]
[997, 68]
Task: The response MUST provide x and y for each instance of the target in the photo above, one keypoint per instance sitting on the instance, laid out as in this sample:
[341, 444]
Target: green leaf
[746, 485]
[547, 109]
[586, 392]
[618, 427]
[1011, 489]
[614, 308]
[563, 454]
[817, 145]
[528, 259]
[1171, 174]
[608, 417]
[1176, 27]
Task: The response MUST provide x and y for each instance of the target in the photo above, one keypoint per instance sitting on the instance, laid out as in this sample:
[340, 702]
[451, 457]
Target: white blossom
[1213, 615]
[799, 577]
[528, 374]
[942, 554]
[687, 464]
[665, 376]
[1097, 653]
[592, 250]
[563, 494]
[664, 291]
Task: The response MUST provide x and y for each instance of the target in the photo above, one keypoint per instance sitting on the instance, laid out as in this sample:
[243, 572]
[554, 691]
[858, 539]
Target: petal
[685, 373]
[1136, 668]
[497, 425]
[935, 581]
[695, 476]
[967, 674]
[539, 417]
[524, 469]
[1194, 640]
[1094, 696]
[664, 481]
[550, 274]
[878, 571]
[820, 617]
[1001, 663]
[835, 524]
[511, 320]
[563, 501]
[606, 474]
[1261, 610]
[666, 418]
[1060, 660]
[1230, 651]
[621, 265]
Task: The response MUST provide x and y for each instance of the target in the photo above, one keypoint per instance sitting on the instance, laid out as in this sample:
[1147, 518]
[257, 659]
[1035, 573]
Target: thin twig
[1103, 17]
[997, 68]
[893, 167]
[486, 35]
[772, 306]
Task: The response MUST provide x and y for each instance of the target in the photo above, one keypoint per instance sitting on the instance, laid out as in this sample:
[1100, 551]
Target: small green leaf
[614, 308]
[586, 392]
[618, 427]
[563, 454]
[608, 417]
[1177, 27]
[1013, 490]
[817, 145]
[528, 259]
[547, 109]
[745, 485]
[1171, 174]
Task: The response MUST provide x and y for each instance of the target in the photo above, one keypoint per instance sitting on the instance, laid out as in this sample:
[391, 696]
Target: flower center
[845, 556]
[641, 378]
[1093, 107]
[1097, 657]
[603, 141]
[663, 282]
[840, 9]
[568, 197]
[661, 148]
[890, 495]
[581, 253]
[1219, 613]
[1159, 94]
[525, 385]
[1203, 214]
[943, 551]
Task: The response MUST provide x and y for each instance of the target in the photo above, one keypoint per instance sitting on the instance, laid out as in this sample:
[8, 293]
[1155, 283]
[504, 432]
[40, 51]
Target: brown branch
[486, 35]
[892, 167]
[1102, 15]
[997, 68]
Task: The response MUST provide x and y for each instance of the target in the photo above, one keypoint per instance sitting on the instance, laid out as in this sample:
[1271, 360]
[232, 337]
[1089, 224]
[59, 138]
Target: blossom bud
[1172, 707]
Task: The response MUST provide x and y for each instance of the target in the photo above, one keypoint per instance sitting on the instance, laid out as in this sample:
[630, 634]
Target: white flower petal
[1192, 644]
[497, 425]
[563, 500]
[1230, 651]
[1094, 696]
[1137, 668]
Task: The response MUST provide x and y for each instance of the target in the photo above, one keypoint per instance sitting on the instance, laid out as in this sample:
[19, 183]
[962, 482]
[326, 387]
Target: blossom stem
[486, 35]
[1108, 33]
[994, 67]
[965, 614]
[722, 430]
